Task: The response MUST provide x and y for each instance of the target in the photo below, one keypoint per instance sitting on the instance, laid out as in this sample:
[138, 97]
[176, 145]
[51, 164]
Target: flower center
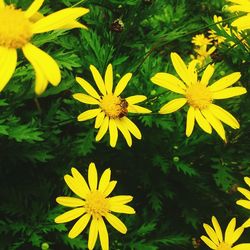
[198, 96]
[224, 246]
[114, 106]
[15, 27]
[96, 204]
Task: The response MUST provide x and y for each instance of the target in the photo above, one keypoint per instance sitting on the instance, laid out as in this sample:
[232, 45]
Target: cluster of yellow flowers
[17, 27]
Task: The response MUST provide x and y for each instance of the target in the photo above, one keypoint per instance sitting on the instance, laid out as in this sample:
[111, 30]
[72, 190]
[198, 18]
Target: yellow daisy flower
[93, 204]
[17, 28]
[243, 22]
[246, 193]
[203, 53]
[216, 241]
[199, 96]
[201, 40]
[113, 109]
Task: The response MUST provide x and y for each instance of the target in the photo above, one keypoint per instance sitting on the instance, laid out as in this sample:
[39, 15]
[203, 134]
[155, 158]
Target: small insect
[124, 105]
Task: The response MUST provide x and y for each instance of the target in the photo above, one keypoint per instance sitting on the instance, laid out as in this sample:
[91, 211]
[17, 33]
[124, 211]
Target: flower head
[199, 96]
[201, 40]
[243, 22]
[93, 205]
[17, 28]
[216, 241]
[113, 109]
[246, 193]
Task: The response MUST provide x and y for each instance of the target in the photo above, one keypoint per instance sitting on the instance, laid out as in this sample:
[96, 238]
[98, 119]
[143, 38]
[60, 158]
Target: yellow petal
[33, 8]
[75, 186]
[230, 231]
[99, 119]
[79, 226]
[98, 79]
[136, 99]
[225, 82]
[131, 127]
[247, 180]
[170, 82]
[242, 23]
[103, 234]
[92, 176]
[208, 242]
[8, 62]
[215, 123]
[208, 72]
[113, 132]
[104, 181]
[85, 98]
[243, 246]
[122, 209]
[217, 228]
[2, 4]
[87, 87]
[243, 203]
[236, 235]
[110, 188]
[89, 114]
[81, 181]
[124, 131]
[108, 79]
[103, 129]
[180, 68]
[70, 201]
[229, 92]
[138, 109]
[116, 223]
[190, 121]
[45, 62]
[211, 233]
[70, 215]
[57, 19]
[173, 106]
[224, 116]
[93, 233]
[73, 25]
[192, 71]
[121, 199]
[202, 122]
[246, 223]
[122, 84]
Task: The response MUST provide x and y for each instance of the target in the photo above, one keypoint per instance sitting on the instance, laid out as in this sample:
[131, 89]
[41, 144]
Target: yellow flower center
[15, 27]
[96, 204]
[224, 246]
[114, 106]
[198, 96]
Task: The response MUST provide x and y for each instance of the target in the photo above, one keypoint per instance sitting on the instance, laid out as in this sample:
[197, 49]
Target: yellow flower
[113, 109]
[203, 53]
[17, 28]
[216, 241]
[246, 193]
[199, 96]
[243, 22]
[93, 204]
[200, 40]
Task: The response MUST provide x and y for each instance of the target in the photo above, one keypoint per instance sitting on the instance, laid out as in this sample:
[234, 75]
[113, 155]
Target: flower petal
[104, 181]
[122, 209]
[215, 123]
[121, 85]
[131, 127]
[211, 233]
[88, 88]
[70, 215]
[92, 176]
[70, 201]
[72, 25]
[79, 226]
[93, 233]
[247, 180]
[121, 199]
[103, 234]
[208, 242]
[202, 122]
[57, 19]
[229, 92]
[110, 188]
[190, 121]
[46, 63]
[243, 203]
[113, 132]
[99, 119]
[75, 186]
[81, 181]
[225, 82]
[236, 235]
[173, 106]
[242, 23]
[8, 63]
[224, 116]
[33, 8]
[98, 79]
[89, 114]
[116, 223]
[207, 74]
[180, 68]
[85, 98]
[230, 231]
[135, 99]
[243, 246]
[103, 129]
[124, 131]
[2, 4]
[138, 109]
[170, 82]
[108, 79]
[246, 223]
[217, 228]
